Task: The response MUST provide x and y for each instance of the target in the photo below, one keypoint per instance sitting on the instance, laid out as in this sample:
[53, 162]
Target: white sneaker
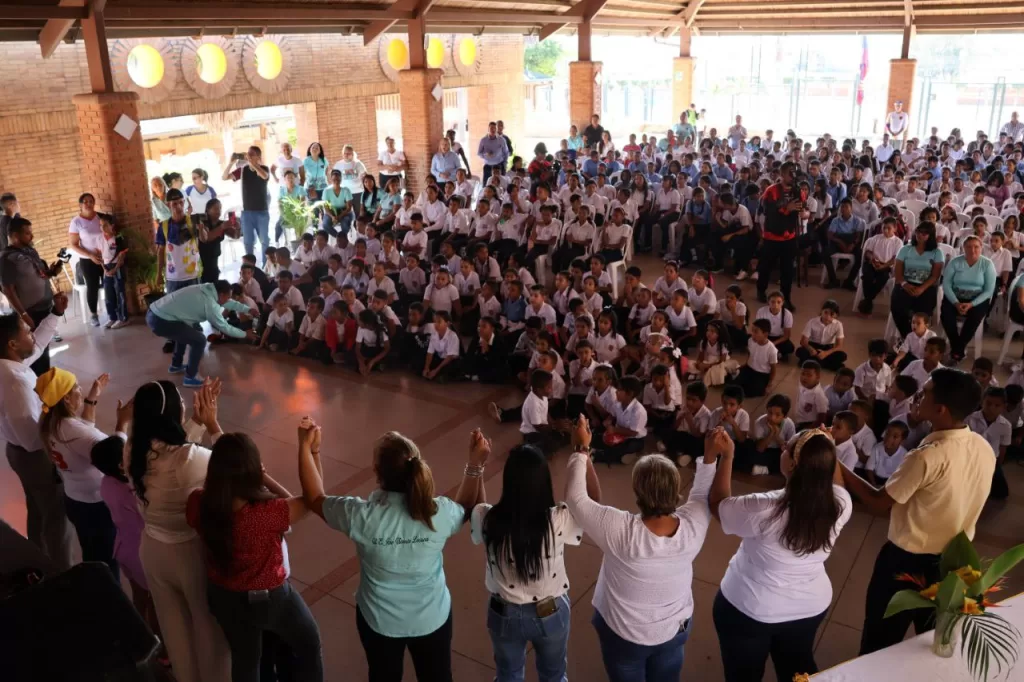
[741, 275]
[109, 324]
[753, 276]
[684, 461]
[759, 470]
[119, 324]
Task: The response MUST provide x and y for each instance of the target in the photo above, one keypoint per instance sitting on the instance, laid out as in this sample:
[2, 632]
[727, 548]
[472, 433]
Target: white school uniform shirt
[604, 280]
[606, 400]
[726, 315]
[1002, 259]
[467, 285]
[327, 251]
[457, 223]
[701, 419]
[561, 299]
[765, 580]
[642, 316]
[597, 202]
[313, 329]
[884, 248]
[681, 321]
[387, 285]
[998, 434]
[761, 357]
[702, 300]
[441, 299]
[593, 304]
[663, 288]
[446, 346]
[613, 234]
[433, 216]
[916, 369]
[810, 402]
[899, 410]
[552, 580]
[416, 239]
[630, 209]
[389, 316]
[882, 463]
[846, 452]
[839, 402]
[581, 232]
[742, 421]
[511, 228]
[546, 313]
[413, 280]
[403, 216]
[656, 399]
[293, 297]
[787, 430]
[535, 413]
[281, 321]
[816, 332]
[558, 390]
[632, 417]
[864, 440]
[489, 307]
[714, 353]
[483, 226]
[252, 290]
[669, 200]
[606, 348]
[579, 376]
[871, 382]
[914, 344]
[779, 323]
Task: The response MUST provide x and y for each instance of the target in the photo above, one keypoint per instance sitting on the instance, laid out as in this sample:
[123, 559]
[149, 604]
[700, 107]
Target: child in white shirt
[822, 339]
[624, 436]
[757, 375]
[811, 404]
[441, 295]
[840, 394]
[772, 431]
[887, 455]
[662, 400]
[731, 416]
[843, 427]
[912, 347]
[311, 331]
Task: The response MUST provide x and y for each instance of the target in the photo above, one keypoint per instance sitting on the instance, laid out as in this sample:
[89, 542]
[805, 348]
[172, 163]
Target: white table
[912, 660]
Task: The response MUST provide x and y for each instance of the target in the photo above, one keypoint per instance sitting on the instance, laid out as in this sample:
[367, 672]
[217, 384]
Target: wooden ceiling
[31, 20]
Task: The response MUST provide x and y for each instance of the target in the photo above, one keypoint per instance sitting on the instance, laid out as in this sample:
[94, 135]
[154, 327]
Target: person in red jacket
[782, 205]
[340, 333]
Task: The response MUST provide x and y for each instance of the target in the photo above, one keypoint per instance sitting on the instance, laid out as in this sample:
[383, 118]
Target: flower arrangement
[297, 214]
[961, 603]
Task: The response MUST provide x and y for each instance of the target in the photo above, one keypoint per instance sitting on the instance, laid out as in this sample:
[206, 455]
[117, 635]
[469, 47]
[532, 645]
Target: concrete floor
[265, 396]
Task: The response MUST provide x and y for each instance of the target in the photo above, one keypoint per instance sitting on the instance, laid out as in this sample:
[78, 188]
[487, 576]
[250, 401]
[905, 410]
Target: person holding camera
[255, 199]
[25, 278]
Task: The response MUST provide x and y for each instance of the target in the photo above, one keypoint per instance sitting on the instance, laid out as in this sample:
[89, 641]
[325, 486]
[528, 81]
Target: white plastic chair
[617, 270]
[542, 267]
[79, 292]
[909, 218]
[859, 296]
[994, 222]
[837, 258]
[948, 251]
[915, 206]
[979, 336]
[1011, 329]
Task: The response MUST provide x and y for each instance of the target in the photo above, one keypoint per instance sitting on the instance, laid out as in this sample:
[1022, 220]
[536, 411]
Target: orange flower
[930, 592]
[968, 575]
[997, 586]
[916, 579]
[801, 677]
[971, 607]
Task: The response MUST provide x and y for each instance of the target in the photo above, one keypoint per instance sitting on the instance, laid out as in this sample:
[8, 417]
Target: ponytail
[401, 469]
[419, 491]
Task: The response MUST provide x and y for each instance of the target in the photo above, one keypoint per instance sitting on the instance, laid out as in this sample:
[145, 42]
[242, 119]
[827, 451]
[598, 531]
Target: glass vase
[946, 635]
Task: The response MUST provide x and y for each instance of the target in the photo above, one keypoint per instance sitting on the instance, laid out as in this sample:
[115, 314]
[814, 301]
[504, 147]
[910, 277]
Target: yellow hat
[53, 385]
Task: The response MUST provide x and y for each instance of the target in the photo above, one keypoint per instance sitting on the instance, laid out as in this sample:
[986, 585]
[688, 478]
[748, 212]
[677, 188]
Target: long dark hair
[234, 472]
[808, 502]
[517, 530]
[156, 415]
[401, 469]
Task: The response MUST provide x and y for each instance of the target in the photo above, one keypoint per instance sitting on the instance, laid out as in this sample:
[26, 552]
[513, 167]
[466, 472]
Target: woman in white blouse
[352, 171]
[776, 592]
[525, 535]
[643, 601]
[165, 465]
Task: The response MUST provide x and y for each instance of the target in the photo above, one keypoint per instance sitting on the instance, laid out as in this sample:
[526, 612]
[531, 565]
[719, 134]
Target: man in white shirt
[884, 151]
[737, 133]
[1013, 129]
[287, 162]
[20, 409]
[896, 123]
[391, 161]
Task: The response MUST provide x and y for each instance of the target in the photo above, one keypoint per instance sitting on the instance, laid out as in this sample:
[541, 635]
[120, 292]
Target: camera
[64, 255]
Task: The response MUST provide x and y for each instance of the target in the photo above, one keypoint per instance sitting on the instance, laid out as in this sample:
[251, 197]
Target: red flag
[863, 73]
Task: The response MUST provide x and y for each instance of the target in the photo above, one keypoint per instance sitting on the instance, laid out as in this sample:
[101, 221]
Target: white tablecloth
[912, 660]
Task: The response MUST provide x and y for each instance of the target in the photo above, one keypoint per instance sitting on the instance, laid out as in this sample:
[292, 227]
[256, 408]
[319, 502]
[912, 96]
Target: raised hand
[479, 448]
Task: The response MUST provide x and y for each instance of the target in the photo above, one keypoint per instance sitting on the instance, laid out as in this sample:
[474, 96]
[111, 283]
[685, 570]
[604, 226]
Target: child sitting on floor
[822, 339]
[311, 331]
[840, 394]
[912, 347]
[811, 404]
[626, 428]
[686, 442]
[781, 322]
[661, 402]
[757, 375]
[277, 335]
[731, 415]
[887, 455]
[772, 431]
[373, 341]
[843, 427]
[443, 351]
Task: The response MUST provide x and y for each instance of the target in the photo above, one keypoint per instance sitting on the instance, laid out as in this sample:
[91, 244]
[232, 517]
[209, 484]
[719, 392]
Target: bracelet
[473, 470]
[584, 450]
[90, 402]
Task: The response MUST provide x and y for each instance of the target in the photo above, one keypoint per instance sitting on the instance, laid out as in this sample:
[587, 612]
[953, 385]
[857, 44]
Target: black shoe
[169, 347]
[788, 305]
[832, 284]
[866, 306]
[850, 286]
[762, 297]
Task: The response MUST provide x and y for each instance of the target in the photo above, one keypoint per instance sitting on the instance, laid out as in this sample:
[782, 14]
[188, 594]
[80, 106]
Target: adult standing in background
[392, 163]
[782, 206]
[508, 142]
[20, 409]
[87, 241]
[199, 193]
[938, 491]
[158, 198]
[177, 247]
[593, 132]
[352, 171]
[314, 169]
[775, 592]
[737, 133]
[1013, 128]
[26, 282]
[460, 152]
[212, 231]
[643, 601]
[286, 161]
[255, 199]
[9, 210]
[897, 123]
[492, 150]
[444, 163]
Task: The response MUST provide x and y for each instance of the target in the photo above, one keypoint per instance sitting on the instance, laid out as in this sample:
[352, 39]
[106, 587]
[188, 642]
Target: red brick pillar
[584, 92]
[480, 114]
[422, 120]
[113, 168]
[901, 87]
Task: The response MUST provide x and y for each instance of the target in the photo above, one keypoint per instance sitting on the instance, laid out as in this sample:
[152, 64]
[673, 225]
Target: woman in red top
[241, 515]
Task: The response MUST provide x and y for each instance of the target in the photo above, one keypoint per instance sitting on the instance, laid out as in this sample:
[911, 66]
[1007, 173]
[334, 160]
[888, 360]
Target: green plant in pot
[961, 603]
[140, 266]
[297, 215]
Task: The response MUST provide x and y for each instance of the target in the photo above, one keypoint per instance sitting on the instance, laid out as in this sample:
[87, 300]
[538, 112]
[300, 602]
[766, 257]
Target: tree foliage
[542, 57]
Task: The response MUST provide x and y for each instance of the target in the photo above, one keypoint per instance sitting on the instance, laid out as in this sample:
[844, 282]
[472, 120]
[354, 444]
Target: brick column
[422, 121]
[682, 85]
[478, 100]
[901, 87]
[584, 92]
[113, 168]
[306, 129]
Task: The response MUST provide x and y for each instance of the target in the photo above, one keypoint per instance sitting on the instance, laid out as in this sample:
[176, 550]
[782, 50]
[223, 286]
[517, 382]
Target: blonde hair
[656, 485]
[401, 469]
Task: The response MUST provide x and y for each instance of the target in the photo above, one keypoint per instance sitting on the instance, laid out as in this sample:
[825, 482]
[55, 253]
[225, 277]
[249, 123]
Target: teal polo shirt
[402, 590]
[337, 201]
[917, 267]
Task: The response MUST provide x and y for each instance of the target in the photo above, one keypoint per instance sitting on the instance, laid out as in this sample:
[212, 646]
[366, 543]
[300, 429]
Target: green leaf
[906, 600]
[1001, 566]
[951, 593]
[959, 553]
[989, 639]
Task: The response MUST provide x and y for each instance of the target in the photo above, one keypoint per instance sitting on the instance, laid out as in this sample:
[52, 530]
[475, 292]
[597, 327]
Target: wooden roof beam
[908, 28]
[56, 30]
[585, 11]
[417, 7]
[255, 12]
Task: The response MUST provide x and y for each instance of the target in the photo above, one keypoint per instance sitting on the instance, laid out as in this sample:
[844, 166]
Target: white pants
[177, 580]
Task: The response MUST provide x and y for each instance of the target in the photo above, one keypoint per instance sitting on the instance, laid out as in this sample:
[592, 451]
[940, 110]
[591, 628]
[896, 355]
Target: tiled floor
[265, 396]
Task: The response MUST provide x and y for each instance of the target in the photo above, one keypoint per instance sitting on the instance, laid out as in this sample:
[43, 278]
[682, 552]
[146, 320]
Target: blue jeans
[255, 223]
[171, 286]
[182, 334]
[115, 297]
[625, 661]
[518, 626]
[341, 227]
